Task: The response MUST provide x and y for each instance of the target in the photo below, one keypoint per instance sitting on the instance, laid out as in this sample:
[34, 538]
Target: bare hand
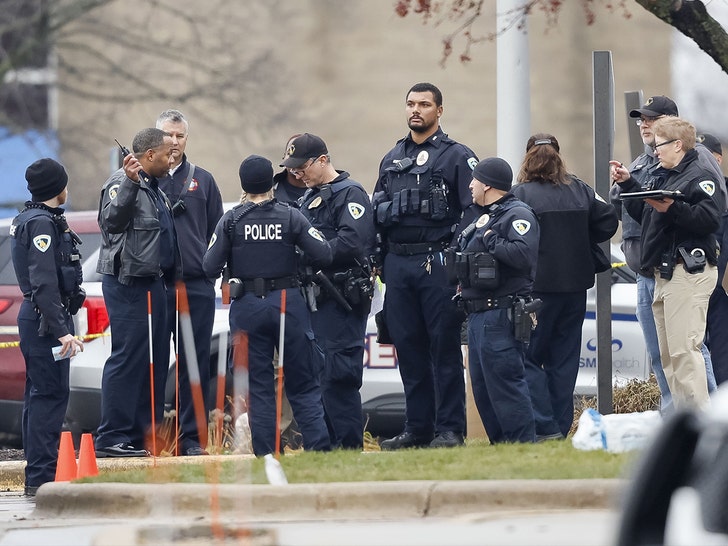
[618, 172]
[70, 346]
[132, 167]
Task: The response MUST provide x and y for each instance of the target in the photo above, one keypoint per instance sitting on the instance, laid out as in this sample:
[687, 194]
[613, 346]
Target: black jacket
[571, 217]
[690, 223]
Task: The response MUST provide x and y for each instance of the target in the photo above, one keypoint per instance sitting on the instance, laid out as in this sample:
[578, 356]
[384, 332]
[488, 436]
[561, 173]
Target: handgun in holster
[524, 317]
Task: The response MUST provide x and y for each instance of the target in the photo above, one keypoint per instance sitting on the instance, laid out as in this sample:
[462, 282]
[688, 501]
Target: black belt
[260, 286]
[410, 249]
[486, 304]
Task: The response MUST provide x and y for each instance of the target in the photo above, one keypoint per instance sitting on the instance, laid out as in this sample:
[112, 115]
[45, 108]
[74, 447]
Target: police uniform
[681, 290]
[284, 191]
[48, 268]
[258, 243]
[495, 269]
[138, 249]
[418, 199]
[197, 207]
[342, 211]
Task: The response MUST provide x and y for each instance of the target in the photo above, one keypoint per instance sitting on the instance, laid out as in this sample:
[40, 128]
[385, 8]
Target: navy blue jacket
[342, 211]
[203, 209]
[509, 231]
[262, 244]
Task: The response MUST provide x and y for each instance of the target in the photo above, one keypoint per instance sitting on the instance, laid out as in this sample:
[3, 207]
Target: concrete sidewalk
[347, 500]
[324, 501]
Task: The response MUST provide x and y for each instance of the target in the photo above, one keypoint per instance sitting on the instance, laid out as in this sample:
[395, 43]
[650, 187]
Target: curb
[350, 501]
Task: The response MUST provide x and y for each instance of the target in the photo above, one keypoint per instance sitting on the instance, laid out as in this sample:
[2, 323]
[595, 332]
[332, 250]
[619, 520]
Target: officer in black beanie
[257, 242]
[48, 267]
[495, 265]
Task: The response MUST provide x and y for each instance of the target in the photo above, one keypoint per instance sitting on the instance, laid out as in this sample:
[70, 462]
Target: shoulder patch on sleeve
[356, 210]
[316, 234]
[472, 162]
[521, 226]
[708, 186]
[212, 240]
[113, 190]
[599, 197]
[42, 242]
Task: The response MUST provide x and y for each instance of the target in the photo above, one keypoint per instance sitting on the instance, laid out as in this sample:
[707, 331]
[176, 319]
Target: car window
[7, 272]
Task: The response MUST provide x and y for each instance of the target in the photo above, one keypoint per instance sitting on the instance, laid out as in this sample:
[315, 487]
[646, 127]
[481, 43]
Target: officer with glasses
[679, 248]
[655, 107]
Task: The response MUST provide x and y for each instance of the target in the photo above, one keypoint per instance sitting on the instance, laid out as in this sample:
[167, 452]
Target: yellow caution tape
[8, 344]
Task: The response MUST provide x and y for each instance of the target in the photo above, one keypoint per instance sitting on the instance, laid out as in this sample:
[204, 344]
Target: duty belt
[260, 286]
[410, 249]
[486, 304]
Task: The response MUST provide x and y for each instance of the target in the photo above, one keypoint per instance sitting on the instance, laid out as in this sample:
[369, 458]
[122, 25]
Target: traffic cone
[66, 464]
[87, 457]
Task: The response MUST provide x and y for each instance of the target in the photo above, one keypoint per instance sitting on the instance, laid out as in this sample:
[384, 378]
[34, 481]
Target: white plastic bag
[617, 432]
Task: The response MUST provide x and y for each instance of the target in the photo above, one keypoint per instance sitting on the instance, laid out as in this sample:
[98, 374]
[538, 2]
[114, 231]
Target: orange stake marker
[279, 394]
[151, 375]
[193, 371]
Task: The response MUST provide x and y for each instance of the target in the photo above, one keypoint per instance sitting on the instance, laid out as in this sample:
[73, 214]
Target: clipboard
[653, 194]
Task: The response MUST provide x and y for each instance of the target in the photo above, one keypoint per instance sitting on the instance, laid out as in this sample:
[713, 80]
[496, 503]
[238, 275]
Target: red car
[89, 320]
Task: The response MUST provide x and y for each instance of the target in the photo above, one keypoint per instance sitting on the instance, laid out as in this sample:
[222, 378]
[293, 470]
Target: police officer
[340, 208]
[680, 246]
[48, 267]
[418, 199]
[257, 240]
[197, 207]
[495, 269]
[138, 249]
[287, 187]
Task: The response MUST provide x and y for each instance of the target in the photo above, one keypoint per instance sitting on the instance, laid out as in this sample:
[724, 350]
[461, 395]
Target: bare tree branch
[689, 17]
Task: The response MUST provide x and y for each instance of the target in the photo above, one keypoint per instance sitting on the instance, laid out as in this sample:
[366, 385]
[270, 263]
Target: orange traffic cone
[66, 464]
[87, 457]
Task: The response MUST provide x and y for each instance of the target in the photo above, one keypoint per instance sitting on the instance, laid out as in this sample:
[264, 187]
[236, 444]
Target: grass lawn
[478, 460]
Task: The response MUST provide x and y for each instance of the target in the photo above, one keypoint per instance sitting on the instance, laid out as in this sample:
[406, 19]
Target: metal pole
[513, 93]
[603, 150]
[632, 101]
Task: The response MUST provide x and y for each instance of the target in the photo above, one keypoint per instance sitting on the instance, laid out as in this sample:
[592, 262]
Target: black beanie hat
[46, 179]
[494, 172]
[256, 174]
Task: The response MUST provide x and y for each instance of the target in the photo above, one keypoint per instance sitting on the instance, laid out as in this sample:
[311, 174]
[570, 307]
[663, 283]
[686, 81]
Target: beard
[422, 127]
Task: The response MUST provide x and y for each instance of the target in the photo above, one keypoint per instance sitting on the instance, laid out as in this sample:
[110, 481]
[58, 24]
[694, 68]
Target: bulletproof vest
[416, 194]
[316, 206]
[262, 243]
[67, 256]
[469, 264]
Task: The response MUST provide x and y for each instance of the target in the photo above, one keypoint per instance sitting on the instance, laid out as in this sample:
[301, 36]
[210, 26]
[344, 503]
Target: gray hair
[175, 116]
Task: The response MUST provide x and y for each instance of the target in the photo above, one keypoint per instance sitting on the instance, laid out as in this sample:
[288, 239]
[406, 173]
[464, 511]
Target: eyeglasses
[299, 172]
[655, 146]
[647, 119]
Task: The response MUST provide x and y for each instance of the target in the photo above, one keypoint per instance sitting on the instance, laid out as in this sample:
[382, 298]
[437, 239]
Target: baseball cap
[659, 105]
[710, 142]
[302, 149]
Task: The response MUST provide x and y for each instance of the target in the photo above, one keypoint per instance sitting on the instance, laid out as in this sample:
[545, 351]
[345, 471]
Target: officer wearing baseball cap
[639, 169]
[257, 240]
[495, 266]
[48, 267]
[340, 208]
